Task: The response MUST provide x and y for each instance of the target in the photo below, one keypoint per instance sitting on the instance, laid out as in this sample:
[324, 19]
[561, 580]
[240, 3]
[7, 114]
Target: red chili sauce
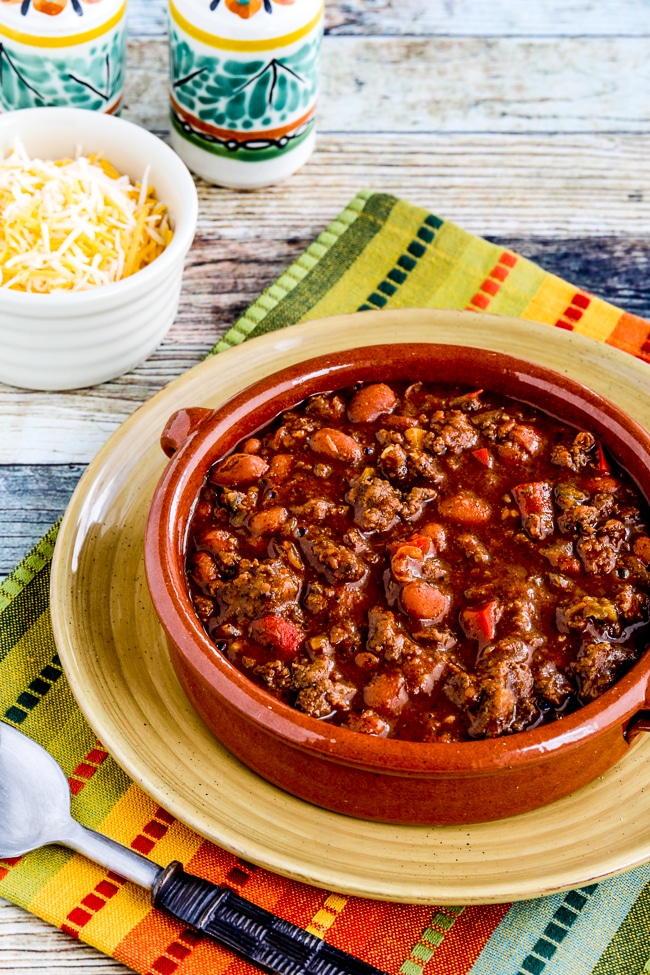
[427, 562]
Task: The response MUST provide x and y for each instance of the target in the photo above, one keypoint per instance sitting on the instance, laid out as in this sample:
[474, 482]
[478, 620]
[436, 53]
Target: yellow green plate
[116, 660]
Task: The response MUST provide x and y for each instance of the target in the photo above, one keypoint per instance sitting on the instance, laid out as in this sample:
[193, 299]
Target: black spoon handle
[274, 945]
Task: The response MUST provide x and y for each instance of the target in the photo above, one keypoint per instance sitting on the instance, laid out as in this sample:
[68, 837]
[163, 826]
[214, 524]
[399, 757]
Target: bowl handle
[180, 426]
[637, 724]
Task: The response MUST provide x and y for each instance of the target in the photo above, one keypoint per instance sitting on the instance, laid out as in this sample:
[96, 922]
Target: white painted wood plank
[28, 944]
[485, 85]
[498, 18]
[451, 85]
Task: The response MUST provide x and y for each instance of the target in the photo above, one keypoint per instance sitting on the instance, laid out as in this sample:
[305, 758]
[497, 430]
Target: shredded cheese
[74, 224]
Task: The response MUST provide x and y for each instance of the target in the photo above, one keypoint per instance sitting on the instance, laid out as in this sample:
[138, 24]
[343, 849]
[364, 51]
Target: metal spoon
[35, 811]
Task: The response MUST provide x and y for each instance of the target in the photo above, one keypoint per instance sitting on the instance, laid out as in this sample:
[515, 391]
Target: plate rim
[288, 341]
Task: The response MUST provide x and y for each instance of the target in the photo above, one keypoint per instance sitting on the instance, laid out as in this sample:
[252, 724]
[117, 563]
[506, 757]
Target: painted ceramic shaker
[62, 52]
[243, 87]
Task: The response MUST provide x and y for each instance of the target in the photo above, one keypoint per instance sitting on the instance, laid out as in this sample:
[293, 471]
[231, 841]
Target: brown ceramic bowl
[377, 778]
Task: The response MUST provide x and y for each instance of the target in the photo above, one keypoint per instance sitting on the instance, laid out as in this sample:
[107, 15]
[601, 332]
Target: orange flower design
[248, 8]
[54, 7]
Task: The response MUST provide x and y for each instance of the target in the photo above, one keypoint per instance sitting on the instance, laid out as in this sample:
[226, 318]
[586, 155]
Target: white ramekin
[67, 340]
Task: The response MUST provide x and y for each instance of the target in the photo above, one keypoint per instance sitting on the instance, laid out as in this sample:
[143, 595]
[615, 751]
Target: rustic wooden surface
[524, 122]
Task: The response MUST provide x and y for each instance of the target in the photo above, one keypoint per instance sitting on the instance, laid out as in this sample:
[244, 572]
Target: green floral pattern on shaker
[243, 95]
[92, 80]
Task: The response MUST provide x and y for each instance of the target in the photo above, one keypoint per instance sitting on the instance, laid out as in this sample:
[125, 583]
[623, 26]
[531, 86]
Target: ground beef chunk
[598, 551]
[598, 666]
[578, 518]
[415, 500]
[319, 691]
[462, 689]
[494, 424]
[561, 556]
[385, 636]
[521, 443]
[275, 674]
[258, 588]
[345, 635]
[368, 723]
[334, 561]
[581, 514]
[376, 503]
[424, 465]
[577, 455]
[239, 503]
[425, 670]
[318, 509]
[551, 683]
[393, 462]
[326, 407]
[506, 684]
[473, 548]
[317, 598]
[631, 605]
[451, 432]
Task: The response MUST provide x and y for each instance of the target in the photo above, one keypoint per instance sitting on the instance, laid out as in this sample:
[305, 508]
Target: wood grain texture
[28, 944]
[500, 18]
[457, 84]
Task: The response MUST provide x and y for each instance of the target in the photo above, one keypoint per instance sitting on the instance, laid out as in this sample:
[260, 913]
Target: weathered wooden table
[526, 122]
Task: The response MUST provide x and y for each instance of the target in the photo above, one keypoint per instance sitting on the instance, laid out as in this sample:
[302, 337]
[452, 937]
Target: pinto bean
[203, 568]
[408, 425]
[602, 484]
[216, 541]
[252, 446]
[268, 521]
[366, 661]
[280, 467]
[437, 533]
[466, 508]
[335, 444]
[370, 402]
[423, 601]
[238, 469]
[386, 693]
[641, 548]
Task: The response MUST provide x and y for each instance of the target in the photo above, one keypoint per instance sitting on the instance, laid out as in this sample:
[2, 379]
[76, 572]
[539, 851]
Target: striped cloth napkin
[380, 252]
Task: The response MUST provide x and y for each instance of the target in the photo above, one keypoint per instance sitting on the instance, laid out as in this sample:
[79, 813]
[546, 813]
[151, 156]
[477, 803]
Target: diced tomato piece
[480, 623]
[422, 542]
[535, 502]
[602, 463]
[483, 456]
[533, 498]
[280, 635]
